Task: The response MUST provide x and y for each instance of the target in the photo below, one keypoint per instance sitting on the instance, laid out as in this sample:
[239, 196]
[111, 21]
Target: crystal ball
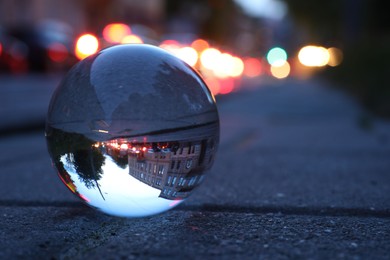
[132, 130]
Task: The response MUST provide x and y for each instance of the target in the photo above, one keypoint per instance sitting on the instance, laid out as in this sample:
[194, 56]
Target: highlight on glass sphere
[132, 130]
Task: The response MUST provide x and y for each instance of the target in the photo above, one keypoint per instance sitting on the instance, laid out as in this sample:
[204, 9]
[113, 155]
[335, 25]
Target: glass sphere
[132, 130]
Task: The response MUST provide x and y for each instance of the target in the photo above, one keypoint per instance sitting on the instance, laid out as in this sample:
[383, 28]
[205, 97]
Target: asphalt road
[302, 172]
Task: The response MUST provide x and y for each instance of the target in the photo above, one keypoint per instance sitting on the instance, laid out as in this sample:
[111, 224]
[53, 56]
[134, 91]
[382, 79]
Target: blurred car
[13, 53]
[49, 45]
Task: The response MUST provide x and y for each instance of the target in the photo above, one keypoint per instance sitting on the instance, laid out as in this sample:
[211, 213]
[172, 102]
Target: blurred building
[16, 13]
[86, 15]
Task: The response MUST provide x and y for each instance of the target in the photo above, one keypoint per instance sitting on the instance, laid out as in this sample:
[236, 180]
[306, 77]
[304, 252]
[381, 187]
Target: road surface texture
[302, 172]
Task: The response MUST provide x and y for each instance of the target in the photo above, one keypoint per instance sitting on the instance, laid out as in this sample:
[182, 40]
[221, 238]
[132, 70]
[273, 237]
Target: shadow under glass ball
[132, 130]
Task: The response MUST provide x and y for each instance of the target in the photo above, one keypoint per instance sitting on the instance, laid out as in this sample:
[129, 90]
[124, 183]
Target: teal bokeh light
[276, 56]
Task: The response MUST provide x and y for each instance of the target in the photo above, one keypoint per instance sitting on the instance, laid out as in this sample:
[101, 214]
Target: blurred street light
[276, 56]
[115, 32]
[335, 56]
[187, 54]
[86, 44]
[132, 38]
[313, 56]
[280, 71]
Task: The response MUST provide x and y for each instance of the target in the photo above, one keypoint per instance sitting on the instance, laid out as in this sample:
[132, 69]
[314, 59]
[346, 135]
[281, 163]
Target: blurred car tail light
[214, 85]
[57, 52]
[253, 67]
[226, 86]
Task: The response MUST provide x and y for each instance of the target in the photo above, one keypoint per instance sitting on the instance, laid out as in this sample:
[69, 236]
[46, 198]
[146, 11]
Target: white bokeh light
[272, 9]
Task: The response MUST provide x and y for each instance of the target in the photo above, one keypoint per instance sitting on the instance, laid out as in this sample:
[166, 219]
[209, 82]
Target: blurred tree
[362, 29]
[97, 13]
[347, 20]
[322, 19]
[215, 20]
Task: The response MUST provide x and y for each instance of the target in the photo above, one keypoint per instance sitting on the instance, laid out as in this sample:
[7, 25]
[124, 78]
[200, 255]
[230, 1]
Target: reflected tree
[88, 165]
[87, 159]
[120, 161]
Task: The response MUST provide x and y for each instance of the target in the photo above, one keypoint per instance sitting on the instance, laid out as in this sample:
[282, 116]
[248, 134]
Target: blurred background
[235, 44]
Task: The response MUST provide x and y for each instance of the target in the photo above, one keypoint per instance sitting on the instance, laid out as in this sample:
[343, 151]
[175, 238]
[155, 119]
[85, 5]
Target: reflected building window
[174, 168]
[189, 163]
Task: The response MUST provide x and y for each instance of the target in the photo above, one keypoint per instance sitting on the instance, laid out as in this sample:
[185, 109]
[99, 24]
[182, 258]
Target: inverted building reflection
[174, 168]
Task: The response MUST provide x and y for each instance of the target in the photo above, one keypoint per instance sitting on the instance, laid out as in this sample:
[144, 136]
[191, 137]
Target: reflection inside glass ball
[126, 178]
[132, 130]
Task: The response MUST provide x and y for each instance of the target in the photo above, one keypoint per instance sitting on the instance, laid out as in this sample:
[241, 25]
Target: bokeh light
[213, 84]
[115, 32]
[132, 38]
[280, 71]
[276, 56]
[170, 45]
[200, 45]
[209, 58]
[313, 56]
[335, 56]
[226, 86]
[238, 67]
[86, 45]
[224, 65]
[57, 52]
[252, 67]
[188, 55]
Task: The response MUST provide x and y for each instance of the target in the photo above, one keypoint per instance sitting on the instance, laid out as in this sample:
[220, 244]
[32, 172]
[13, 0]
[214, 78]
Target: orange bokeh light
[132, 38]
[281, 71]
[86, 44]
[115, 32]
[200, 45]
